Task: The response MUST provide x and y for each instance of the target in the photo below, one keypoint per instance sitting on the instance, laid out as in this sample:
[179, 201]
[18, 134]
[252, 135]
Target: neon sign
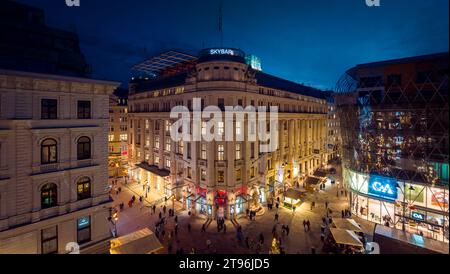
[383, 187]
[417, 216]
[221, 52]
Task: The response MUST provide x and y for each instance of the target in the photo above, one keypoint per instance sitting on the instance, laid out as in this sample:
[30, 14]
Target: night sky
[311, 42]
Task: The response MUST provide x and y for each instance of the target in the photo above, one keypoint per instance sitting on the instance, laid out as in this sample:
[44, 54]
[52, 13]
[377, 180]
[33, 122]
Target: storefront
[202, 207]
[413, 207]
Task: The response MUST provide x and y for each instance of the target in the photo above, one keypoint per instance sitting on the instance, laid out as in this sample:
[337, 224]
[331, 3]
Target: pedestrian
[140, 199]
[224, 228]
[274, 230]
[322, 237]
[176, 229]
[326, 204]
[277, 205]
[342, 214]
[176, 218]
[304, 225]
[164, 209]
[308, 224]
[283, 229]
[203, 228]
[287, 230]
[276, 217]
[154, 209]
[189, 227]
[143, 187]
[120, 189]
[160, 215]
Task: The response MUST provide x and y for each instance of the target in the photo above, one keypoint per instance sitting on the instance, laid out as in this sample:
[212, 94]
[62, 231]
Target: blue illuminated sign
[83, 222]
[383, 187]
[417, 216]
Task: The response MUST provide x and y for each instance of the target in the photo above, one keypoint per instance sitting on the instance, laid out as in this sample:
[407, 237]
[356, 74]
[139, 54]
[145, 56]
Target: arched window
[49, 196]
[83, 188]
[49, 151]
[83, 148]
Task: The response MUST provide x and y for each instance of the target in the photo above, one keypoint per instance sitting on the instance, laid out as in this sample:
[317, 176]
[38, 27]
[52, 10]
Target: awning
[293, 194]
[346, 237]
[154, 169]
[348, 224]
[320, 173]
[140, 242]
[312, 180]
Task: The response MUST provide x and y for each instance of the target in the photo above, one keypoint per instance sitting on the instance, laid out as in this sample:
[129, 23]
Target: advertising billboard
[383, 187]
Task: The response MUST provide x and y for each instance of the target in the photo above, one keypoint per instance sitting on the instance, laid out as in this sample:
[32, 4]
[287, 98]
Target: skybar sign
[221, 52]
[213, 124]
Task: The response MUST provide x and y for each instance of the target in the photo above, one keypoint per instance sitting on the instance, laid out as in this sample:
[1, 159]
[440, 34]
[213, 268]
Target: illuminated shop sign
[221, 52]
[383, 187]
[417, 216]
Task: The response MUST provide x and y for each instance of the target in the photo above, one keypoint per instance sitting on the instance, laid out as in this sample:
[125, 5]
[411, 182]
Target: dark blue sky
[311, 42]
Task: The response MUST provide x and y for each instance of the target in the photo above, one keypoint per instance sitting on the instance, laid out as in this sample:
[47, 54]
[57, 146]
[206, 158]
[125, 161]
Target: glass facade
[394, 127]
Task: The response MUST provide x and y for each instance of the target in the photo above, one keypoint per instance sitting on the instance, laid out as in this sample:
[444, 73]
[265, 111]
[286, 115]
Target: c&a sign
[383, 187]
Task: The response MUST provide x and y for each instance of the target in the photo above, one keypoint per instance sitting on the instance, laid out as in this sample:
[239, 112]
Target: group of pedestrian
[345, 213]
[131, 201]
[306, 225]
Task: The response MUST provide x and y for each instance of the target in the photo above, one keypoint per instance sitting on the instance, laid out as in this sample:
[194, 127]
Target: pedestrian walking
[326, 204]
[342, 214]
[287, 230]
[308, 224]
[304, 225]
[176, 229]
[203, 228]
[276, 217]
[164, 209]
[176, 218]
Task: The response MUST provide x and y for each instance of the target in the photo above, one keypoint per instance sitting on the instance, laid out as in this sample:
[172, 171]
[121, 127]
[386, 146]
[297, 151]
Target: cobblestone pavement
[297, 242]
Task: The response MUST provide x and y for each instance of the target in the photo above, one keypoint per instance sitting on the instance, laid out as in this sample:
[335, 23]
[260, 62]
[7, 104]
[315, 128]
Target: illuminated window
[220, 176]
[252, 172]
[203, 151]
[111, 137]
[203, 128]
[168, 144]
[238, 151]
[83, 188]
[156, 160]
[168, 125]
[238, 175]
[220, 128]
[49, 196]
[168, 163]
[220, 152]
[180, 147]
[238, 128]
[203, 174]
[157, 142]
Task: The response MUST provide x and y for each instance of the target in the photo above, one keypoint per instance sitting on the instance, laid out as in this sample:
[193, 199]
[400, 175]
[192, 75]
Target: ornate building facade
[53, 162]
[222, 178]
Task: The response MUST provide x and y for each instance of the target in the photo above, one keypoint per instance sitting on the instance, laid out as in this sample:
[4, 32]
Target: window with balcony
[157, 142]
[238, 175]
[168, 144]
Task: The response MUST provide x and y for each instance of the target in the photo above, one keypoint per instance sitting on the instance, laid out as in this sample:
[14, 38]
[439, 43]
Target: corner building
[394, 125]
[221, 178]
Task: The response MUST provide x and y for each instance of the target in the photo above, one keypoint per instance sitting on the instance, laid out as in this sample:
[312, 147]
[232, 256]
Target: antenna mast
[221, 22]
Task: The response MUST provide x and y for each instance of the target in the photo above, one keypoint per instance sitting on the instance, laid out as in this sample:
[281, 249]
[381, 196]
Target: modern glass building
[394, 124]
